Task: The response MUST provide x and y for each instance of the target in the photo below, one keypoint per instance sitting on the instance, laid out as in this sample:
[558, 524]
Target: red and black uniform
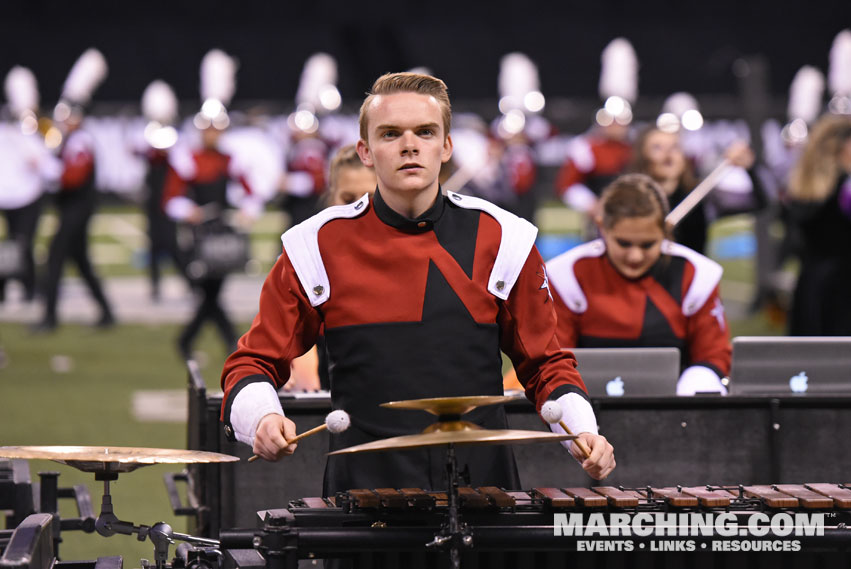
[410, 308]
[76, 202]
[592, 163]
[203, 182]
[676, 304]
[307, 165]
[507, 179]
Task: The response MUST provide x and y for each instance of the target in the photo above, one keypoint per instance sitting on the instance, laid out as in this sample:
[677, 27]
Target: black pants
[22, 223]
[71, 241]
[162, 235]
[208, 309]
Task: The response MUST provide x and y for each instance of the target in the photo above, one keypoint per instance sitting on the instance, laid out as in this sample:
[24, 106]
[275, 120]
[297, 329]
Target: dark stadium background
[681, 45]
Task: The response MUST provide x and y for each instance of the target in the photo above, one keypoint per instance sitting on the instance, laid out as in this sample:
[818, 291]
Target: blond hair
[391, 83]
[815, 174]
[346, 157]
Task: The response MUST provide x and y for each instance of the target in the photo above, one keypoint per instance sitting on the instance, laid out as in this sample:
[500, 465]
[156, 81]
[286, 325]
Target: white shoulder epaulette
[707, 275]
[301, 242]
[561, 275]
[518, 238]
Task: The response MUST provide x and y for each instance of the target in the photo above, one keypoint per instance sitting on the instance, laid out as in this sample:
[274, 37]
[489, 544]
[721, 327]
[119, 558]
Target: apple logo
[798, 383]
[614, 388]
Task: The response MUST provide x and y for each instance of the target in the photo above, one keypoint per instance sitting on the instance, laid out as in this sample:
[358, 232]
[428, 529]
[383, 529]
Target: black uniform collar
[420, 224]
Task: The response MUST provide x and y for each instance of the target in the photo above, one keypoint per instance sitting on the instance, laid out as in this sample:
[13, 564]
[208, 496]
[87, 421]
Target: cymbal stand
[161, 534]
[453, 533]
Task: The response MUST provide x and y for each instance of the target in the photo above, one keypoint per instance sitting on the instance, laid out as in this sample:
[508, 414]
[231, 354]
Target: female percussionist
[635, 288]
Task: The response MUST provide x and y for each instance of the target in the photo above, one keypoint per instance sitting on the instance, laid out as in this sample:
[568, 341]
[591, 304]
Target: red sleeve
[174, 186]
[78, 168]
[521, 171]
[708, 336]
[528, 336]
[286, 326]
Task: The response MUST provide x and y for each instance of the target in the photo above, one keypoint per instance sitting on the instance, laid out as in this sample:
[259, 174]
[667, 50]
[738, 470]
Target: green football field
[76, 387]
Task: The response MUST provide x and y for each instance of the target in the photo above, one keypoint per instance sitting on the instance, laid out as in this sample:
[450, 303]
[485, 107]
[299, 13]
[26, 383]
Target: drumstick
[699, 192]
[551, 413]
[336, 422]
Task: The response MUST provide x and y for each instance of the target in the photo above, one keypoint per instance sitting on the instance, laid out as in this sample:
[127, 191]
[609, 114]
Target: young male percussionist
[416, 292]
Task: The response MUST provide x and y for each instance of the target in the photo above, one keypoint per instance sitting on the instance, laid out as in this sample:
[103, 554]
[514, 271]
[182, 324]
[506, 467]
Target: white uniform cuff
[699, 379]
[179, 208]
[577, 414]
[252, 403]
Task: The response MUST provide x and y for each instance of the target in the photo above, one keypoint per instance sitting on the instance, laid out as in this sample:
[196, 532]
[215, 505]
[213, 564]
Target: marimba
[799, 497]
[550, 527]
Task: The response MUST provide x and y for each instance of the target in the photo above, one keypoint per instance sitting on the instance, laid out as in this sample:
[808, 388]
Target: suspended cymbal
[449, 405]
[112, 459]
[459, 436]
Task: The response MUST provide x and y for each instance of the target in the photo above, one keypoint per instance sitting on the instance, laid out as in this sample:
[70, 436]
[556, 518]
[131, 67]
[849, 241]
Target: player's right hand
[270, 440]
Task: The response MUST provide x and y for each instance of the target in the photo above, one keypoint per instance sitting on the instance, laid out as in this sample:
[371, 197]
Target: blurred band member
[26, 165]
[77, 195]
[595, 159]
[660, 155]
[820, 205]
[196, 194]
[159, 106]
[307, 157]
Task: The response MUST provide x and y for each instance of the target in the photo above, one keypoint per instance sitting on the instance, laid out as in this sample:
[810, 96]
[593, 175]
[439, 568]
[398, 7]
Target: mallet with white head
[336, 422]
[551, 413]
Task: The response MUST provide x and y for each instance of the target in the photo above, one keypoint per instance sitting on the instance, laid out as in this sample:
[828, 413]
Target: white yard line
[160, 406]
